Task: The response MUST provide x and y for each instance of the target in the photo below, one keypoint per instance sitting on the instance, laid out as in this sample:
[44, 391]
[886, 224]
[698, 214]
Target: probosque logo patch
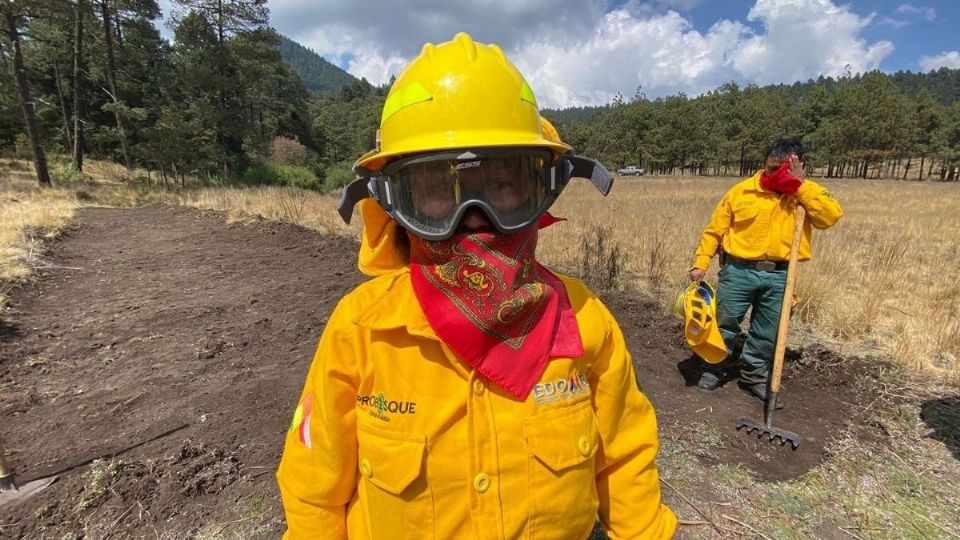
[380, 407]
[562, 389]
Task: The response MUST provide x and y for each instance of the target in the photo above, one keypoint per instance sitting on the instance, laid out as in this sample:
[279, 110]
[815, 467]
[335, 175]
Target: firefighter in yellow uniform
[753, 226]
[465, 391]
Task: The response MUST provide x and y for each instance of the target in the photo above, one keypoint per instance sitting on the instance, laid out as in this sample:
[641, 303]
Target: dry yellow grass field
[28, 216]
[881, 281]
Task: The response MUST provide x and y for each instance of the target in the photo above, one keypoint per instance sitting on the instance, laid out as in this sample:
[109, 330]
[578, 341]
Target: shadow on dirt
[690, 369]
[8, 331]
[943, 416]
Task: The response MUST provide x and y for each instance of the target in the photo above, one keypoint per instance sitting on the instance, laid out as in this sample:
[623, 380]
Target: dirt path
[177, 343]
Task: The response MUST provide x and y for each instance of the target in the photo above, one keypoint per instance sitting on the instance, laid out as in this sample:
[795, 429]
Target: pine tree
[14, 17]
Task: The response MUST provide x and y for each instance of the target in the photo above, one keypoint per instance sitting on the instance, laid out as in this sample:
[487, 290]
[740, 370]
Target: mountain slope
[318, 75]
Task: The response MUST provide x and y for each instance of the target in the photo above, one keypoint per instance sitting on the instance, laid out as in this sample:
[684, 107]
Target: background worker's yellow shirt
[401, 440]
[757, 224]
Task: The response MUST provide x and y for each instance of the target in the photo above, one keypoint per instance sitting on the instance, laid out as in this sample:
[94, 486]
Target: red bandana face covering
[494, 305]
[781, 180]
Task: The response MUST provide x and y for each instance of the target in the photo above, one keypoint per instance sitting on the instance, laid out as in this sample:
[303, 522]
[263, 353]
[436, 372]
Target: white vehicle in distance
[631, 170]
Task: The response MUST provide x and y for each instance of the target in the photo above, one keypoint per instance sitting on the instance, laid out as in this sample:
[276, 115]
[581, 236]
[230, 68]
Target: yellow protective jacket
[757, 224]
[395, 438]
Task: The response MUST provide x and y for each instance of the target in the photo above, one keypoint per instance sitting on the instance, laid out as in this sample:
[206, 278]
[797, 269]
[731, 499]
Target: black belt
[766, 266]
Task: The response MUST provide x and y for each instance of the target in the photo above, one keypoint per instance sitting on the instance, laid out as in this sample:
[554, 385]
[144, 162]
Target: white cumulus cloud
[909, 9]
[947, 59]
[583, 52]
[804, 39]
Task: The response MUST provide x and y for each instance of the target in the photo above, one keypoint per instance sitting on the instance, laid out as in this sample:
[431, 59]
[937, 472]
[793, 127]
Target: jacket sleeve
[317, 473]
[713, 234]
[822, 209]
[628, 484]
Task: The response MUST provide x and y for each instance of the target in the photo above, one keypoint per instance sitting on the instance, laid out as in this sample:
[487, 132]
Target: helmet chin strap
[575, 167]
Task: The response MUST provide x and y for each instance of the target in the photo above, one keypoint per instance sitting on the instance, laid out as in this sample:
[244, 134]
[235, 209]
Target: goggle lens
[430, 192]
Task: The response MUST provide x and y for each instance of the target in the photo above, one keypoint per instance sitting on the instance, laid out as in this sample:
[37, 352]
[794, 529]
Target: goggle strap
[354, 192]
[592, 170]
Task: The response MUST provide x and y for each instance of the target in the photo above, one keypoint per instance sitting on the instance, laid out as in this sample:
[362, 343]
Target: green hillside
[318, 75]
[943, 84]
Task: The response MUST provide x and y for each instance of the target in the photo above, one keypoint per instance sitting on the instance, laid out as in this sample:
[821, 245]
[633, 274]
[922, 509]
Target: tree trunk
[63, 105]
[26, 101]
[118, 24]
[220, 22]
[112, 81]
[930, 169]
[906, 168]
[4, 63]
[920, 169]
[77, 78]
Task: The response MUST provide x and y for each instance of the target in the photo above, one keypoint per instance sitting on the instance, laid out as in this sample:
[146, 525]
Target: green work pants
[741, 287]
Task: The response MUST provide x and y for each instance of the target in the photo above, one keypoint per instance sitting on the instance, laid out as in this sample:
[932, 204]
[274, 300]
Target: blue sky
[916, 29]
[584, 52]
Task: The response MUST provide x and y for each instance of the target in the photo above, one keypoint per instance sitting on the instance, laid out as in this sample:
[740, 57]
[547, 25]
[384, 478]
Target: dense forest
[229, 100]
[869, 126]
[215, 104]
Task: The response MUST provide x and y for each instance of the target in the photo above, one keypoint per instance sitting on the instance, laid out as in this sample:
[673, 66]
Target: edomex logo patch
[562, 389]
[379, 406]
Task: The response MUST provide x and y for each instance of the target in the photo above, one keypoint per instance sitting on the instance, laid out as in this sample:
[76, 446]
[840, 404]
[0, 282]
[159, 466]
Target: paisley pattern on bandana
[489, 300]
[490, 278]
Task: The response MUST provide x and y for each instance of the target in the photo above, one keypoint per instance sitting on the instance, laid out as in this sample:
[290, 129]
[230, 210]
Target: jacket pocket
[746, 212]
[394, 490]
[561, 444]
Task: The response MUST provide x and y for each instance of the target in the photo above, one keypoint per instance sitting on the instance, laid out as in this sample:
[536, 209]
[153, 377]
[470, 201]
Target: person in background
[466, 391]
[752, 228]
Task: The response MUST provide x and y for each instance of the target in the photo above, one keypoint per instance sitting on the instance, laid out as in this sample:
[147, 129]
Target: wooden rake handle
[6, 474]
[787, 302]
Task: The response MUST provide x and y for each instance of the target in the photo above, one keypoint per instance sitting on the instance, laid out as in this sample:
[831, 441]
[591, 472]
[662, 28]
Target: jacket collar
[755, 179]
[396, 307]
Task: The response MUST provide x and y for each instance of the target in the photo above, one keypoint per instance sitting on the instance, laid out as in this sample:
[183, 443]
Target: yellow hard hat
[458, 94]
[700, 328]
[549, 131]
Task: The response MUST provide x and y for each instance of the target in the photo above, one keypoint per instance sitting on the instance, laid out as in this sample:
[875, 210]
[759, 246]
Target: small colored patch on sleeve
[301, 420]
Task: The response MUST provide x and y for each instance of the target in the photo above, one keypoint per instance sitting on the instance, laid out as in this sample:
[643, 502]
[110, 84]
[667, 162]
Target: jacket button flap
[745, 212]
[390, 461]
[562, 438]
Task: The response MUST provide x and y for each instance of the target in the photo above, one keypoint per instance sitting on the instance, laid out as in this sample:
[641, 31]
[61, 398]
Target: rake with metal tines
[765, 428]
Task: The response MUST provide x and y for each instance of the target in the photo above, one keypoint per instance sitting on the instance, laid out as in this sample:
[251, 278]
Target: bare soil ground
[153, 368]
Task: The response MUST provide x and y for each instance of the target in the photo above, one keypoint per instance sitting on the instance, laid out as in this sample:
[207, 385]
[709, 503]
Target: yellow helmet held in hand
[458, 94]
[697, 304]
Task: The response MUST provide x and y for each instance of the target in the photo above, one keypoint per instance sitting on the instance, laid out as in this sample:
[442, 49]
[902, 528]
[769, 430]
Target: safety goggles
[429, 194]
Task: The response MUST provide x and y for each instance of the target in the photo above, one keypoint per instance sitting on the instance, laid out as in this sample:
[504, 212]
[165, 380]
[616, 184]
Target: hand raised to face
[796, 167]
